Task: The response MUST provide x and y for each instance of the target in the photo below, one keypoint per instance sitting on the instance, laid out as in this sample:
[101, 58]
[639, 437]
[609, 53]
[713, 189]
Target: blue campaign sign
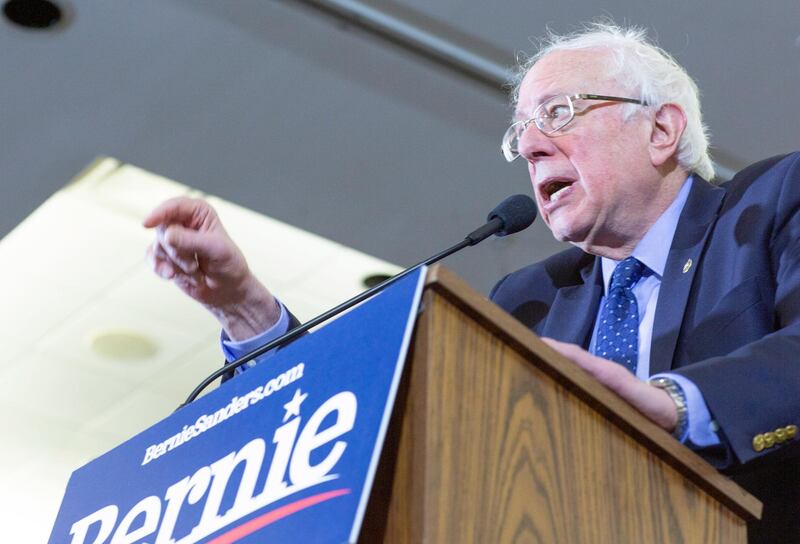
[285, 452]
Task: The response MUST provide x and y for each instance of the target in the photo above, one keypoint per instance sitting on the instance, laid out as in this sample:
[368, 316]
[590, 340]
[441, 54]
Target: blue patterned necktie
[618, 330]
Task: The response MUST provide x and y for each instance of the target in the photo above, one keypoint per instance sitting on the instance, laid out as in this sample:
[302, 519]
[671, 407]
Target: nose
[534, 145]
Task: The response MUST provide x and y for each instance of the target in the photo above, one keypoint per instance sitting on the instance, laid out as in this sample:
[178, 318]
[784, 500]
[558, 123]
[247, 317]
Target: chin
[563, 233]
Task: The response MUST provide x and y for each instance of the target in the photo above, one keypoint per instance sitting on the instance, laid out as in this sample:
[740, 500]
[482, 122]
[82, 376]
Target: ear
[668, 125]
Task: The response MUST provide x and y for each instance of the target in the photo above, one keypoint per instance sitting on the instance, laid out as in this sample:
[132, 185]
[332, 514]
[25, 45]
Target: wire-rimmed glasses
[551, 116]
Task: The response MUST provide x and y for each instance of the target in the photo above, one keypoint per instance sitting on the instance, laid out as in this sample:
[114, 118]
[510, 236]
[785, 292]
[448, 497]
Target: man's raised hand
[193, 250]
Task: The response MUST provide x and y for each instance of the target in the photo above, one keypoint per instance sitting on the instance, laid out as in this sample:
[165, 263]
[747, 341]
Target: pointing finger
[180, 210]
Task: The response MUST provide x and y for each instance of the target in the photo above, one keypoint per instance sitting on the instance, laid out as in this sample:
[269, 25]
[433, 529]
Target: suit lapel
[696, 222]
[574, 307]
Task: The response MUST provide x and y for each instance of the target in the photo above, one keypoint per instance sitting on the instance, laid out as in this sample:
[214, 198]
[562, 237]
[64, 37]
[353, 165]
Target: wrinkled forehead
[566, 72]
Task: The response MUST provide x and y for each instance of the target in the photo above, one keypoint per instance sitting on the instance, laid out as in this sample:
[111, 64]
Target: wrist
[249, 314]
[678, 397]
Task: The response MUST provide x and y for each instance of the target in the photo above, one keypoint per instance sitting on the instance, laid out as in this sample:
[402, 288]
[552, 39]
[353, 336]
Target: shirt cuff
[700, 429]
[235, 349]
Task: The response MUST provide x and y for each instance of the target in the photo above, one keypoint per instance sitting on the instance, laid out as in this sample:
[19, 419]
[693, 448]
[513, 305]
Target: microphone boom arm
[321, 318]
[512, 215]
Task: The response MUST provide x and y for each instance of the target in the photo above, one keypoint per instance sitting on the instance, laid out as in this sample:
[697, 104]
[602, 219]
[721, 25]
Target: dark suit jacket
[728, 318]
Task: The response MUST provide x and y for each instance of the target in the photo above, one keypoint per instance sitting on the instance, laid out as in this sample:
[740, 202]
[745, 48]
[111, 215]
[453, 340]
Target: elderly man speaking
[681, 296]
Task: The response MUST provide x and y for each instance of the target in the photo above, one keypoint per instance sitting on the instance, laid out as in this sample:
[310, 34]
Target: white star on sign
[293, 406]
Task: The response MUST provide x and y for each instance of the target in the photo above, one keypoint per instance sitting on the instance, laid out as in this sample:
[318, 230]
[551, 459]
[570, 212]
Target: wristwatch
[679, 398]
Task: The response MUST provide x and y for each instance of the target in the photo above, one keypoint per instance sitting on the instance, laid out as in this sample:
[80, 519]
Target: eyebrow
[520, 116]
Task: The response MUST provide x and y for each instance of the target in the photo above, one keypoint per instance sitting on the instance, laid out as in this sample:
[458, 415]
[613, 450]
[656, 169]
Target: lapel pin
[687, 266]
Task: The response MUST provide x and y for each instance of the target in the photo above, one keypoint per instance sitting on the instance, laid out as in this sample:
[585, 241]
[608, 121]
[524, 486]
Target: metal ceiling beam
[427, 37]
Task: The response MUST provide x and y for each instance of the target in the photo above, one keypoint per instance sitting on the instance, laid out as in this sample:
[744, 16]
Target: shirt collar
[653, 249]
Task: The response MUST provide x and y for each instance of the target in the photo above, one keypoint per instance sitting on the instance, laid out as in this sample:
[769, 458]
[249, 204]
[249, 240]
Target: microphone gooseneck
[514, 214]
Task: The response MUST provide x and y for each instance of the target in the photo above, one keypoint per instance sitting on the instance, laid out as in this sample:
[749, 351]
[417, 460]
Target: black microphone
[514, 214]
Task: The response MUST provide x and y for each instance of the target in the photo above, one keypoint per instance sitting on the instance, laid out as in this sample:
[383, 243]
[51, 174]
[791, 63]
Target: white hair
[645, 70]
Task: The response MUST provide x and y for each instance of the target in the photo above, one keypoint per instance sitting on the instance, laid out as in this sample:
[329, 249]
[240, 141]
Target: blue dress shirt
[233, 349]
[653, 250]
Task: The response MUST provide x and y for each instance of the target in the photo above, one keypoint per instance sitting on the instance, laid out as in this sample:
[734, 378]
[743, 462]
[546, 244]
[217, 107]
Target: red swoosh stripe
[271, 517]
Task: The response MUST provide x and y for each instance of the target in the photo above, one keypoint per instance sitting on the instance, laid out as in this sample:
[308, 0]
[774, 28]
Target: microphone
[512, 215]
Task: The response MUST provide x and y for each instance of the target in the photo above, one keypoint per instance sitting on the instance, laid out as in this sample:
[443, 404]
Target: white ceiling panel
[79, 275]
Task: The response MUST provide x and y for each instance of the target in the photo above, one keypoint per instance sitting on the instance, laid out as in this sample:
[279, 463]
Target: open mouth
[555, 189]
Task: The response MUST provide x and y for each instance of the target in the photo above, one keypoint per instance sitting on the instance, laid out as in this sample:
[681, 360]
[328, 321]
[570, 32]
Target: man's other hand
[651, 401]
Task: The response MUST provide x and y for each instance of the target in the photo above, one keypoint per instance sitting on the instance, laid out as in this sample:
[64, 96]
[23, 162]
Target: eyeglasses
[551, 116]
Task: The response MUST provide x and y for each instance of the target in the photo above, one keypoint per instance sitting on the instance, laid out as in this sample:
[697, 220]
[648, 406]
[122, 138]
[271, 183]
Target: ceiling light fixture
[374, 279]
[33, 14]
[122, 345]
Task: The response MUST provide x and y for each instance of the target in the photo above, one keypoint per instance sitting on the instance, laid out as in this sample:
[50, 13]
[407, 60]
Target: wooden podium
[496, 438]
